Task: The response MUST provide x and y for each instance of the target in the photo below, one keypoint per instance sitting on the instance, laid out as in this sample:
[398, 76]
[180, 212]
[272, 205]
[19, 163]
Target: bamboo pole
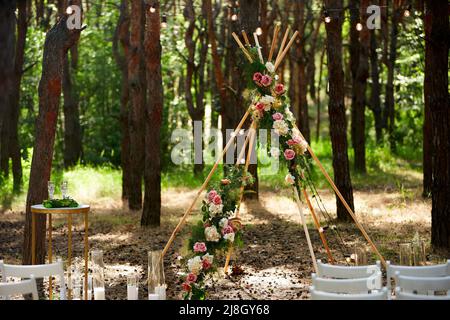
[252, 137]
[255, 36]
[319, 228]
[283, 43]
[247, 42]
[276, 30]
[305, 229]
[291, 42]
[202, 188]
[344, 202]
[242, 47]
[242, 152]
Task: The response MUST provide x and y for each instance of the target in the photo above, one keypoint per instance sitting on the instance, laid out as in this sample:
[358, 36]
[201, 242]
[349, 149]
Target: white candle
[132, 292]
[153, 296]
[99, 293]
[161, 291]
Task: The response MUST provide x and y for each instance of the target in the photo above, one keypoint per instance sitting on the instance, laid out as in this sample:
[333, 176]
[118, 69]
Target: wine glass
[51, 190]
[64, 189]
[405, 254]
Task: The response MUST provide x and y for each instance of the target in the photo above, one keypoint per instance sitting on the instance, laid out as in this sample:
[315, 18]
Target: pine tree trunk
[336, 109]
[58, 41]
[249, 21]
[151, 215]
[436, 58]
[359, 93]
[7, 53]
[122, 36]
[137, 84]
[375, 100]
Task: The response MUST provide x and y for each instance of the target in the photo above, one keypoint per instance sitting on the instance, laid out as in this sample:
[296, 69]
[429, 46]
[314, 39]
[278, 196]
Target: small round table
[81, 209]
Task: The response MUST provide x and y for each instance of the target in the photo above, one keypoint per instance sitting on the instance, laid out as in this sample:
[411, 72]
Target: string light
[327, 16]
[234, 17]
[407, 12]
[164, 21]
[259, 31]
[152, 9]
[359, 26]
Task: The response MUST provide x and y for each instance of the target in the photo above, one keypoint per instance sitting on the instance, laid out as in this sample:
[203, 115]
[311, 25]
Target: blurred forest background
[106, 101]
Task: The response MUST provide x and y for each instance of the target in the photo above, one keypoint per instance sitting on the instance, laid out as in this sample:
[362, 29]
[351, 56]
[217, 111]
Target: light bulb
[234, 17]
[152, 9]
[69, 10]
[359, 26]
[407, 13]
[259, 31]
[327, 16]
[327, 19]
[164, 22]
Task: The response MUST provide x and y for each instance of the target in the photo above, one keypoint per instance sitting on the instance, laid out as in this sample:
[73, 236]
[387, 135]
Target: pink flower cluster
[214, 197]
[294, 141]
[200, 247]
[262, 80]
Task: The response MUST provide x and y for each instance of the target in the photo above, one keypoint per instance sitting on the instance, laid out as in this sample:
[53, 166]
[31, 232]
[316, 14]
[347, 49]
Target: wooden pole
[305, 229]
[276, 30]
[252, 136]
[350, 211]
[255, 36]
[242, 47]
[202, 188]
[283, 43]
[86, 255]
[280, 59]
[319, 228]
[247, 42]
[50, 256]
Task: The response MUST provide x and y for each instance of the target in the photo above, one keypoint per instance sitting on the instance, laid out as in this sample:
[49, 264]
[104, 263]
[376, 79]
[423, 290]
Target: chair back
[402, 295]
[19, 288]
[439, 270]
[423, 286]
[322, 295]
[325, 270]
[38, 270]
[358, 285]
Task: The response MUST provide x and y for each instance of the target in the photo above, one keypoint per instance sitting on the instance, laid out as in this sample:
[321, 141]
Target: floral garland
[218, 230]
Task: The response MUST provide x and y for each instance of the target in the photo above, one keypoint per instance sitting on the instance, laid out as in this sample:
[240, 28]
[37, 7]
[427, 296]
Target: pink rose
[257, 77]
[227, 229]
[266, 81]
[206, 264]
[211, 195]
[279, 89]
[191, 278]
[187, 287]
[289, 154]
[259, 106]
[277, 116]
[199, 247]
[294, 141]
[217, 200]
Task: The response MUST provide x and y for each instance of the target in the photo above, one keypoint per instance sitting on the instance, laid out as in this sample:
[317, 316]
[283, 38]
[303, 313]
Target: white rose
[289, 115]
[290, 179]
[267, 102]
[270, 67]
[215, 209]
[223, 222]
[208, 257]
[211, 234]
[281, 127]
[229, 237]
[274, 152]
[195, 265]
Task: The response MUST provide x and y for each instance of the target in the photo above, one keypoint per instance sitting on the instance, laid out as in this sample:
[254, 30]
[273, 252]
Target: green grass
[399, 170]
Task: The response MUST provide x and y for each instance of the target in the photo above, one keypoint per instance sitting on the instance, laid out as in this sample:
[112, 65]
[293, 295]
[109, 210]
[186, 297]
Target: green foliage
[60, 203]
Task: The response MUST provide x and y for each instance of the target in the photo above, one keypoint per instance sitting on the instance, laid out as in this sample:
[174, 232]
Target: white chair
[38, 270]
[422, 288]
[439, 270]
[19, 288]
[321, 295]
[325, 270]
[350, 286]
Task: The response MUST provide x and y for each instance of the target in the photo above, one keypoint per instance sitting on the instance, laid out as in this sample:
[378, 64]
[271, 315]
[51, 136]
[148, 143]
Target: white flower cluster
[267, 101]
[211, 234]
[215, 209]
[229, 237]
[195, 264]
[281, 127]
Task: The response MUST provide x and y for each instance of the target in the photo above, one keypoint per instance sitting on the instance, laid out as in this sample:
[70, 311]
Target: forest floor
[275, 258]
